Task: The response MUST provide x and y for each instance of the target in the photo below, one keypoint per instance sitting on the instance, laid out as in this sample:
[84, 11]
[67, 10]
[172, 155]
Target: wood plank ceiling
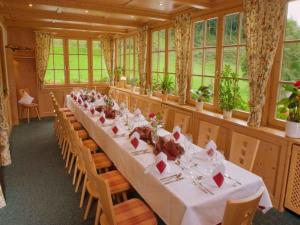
[97, 16]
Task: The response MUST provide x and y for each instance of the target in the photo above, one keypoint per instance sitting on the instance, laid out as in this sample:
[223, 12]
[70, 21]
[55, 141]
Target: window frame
[103, 64]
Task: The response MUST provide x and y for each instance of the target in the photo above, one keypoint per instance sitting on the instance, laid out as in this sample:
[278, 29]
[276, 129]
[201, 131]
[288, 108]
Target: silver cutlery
[141, 152]
[209, 191]
[172, 181]
[164, 179]
[230, 178]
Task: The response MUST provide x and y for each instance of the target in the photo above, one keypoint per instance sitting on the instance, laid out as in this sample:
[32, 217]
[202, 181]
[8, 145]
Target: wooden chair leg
[37, 112]
[98, 211]
[75, 173]
[28, 114]
[83, 191]
[78, 181]
[71, 163]
[88, 207]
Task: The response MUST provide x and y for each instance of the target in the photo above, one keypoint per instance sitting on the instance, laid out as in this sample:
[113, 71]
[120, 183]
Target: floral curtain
[108, 46]
[183, 27]
[142, 40]
[42, 50]
[263, 27]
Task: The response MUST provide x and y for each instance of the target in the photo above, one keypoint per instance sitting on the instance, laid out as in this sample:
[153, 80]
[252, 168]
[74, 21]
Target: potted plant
[133, 81]
[118, 72]
[149, 91]
[201, 95]
[291, 107]
[166, 86]
[229, 95]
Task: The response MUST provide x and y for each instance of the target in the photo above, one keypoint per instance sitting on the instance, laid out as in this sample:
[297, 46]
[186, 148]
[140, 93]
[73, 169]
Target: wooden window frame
[102, 64]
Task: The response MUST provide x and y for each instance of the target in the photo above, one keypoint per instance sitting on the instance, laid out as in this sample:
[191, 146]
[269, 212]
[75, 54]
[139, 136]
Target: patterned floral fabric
[5, 158]
[2, 199]
[142, 39]
[108, 46]
[263, 26]
[42, 50]
[183, 27]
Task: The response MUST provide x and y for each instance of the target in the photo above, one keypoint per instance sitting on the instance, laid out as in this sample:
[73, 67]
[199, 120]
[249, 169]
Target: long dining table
[176, 203]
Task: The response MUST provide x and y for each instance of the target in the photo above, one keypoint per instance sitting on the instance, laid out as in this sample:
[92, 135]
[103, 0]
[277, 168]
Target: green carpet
[38, 190]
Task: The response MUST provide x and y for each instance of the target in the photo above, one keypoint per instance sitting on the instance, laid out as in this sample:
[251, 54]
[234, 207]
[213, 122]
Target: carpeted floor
[38, 190]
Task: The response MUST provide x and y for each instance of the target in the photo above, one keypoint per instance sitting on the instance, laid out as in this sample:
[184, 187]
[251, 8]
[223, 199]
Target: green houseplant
[201, 95]
[291, 107]
[118, 73]
[166, 86]
[229, 95]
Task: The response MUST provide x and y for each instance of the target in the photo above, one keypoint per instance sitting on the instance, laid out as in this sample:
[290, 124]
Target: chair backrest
[182, 120]
[100, 184]
[243, 150]
[241, 212]
[207, 132]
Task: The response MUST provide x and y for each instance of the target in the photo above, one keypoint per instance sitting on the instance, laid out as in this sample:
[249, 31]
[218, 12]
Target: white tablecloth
[177, 203]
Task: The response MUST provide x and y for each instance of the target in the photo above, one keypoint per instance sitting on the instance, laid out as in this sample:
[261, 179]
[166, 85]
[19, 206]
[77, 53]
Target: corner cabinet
[292, 199]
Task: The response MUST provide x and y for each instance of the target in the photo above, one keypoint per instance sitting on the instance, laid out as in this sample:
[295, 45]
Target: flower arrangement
[155, 120]
[291, 104]
[109, 102]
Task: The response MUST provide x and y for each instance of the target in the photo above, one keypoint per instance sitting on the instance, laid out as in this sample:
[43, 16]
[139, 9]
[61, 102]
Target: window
[290, 68]
[234, 54]
[204, 53]
[120, 53]
[78, 61]
[99, 66]
[172, 57]
[158, 55]
[129, 58]
[55, 73]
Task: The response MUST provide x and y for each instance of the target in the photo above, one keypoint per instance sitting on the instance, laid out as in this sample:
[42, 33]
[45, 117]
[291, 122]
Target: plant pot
[227, 114]
[164, 97]
[292, 129]
[199, 106]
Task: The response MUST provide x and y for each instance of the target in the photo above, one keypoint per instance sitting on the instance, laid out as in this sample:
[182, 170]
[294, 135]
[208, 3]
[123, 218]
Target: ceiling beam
[43, 14]
[199, 4]
[61, 25]
[83, 5]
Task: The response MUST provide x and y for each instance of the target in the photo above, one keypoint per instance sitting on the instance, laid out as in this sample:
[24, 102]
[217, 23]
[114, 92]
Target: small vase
[164, 97]
[199, 106]
[292, 129]
[227, 114]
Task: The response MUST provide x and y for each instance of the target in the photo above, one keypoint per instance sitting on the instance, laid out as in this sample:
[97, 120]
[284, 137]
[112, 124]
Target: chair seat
[91, 144]
[72, 119]
[77, 126]
[117, 183]
[101, 160]
[64, 110]
[83, 134]
[132, 212]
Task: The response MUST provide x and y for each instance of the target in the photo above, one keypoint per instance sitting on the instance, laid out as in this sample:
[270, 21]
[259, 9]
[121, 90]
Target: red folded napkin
[79, 101]
[85, 105]
[75, 97]
[92, 110]
[72, 95]
[115, 129]
[176, 135]
[99, 96]
[219, 179]
[102, 119]
[218, 174]
[135, 142]
[161, 166]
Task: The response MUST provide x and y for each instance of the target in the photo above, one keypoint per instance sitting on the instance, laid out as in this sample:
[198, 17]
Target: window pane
[243, 67]
[229, 57]
[211, 32]
[83, 61]
[172, 62]
[154, 77]
[155, 41]
[162, 40]
[171, 39]
[73, 61]
[154, 62]
[73, 48]
[49, 77]
[74, 76]
[96, 48]
[291, 62]
[161, 62]
[97, 75]
[198, 34]
[292, 29]
[280, 95]
[82, 47]
[59, 76]
[58, 61]
[96, 62]
[209, 81]
[58, 46]
[231, 29]
[197, 62]
[83, 76]
[242, 30]
[210, 61]
[244, 90]
[196, 82]
[50, 62]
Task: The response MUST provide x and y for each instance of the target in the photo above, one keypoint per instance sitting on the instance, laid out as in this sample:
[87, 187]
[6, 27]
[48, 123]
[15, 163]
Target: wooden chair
[243, 150]
[241, 212]
[130, 212]
[182, 120]
[116, 183]
[207, 132]
[27, 107]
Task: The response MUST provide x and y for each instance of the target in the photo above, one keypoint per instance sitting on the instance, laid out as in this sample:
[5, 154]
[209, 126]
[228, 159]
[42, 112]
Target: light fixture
[30, 5]
[160, 4]
[58, 10]
[86, 11]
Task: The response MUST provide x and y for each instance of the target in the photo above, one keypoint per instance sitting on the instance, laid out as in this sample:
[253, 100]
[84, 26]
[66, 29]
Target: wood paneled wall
[272, 160]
